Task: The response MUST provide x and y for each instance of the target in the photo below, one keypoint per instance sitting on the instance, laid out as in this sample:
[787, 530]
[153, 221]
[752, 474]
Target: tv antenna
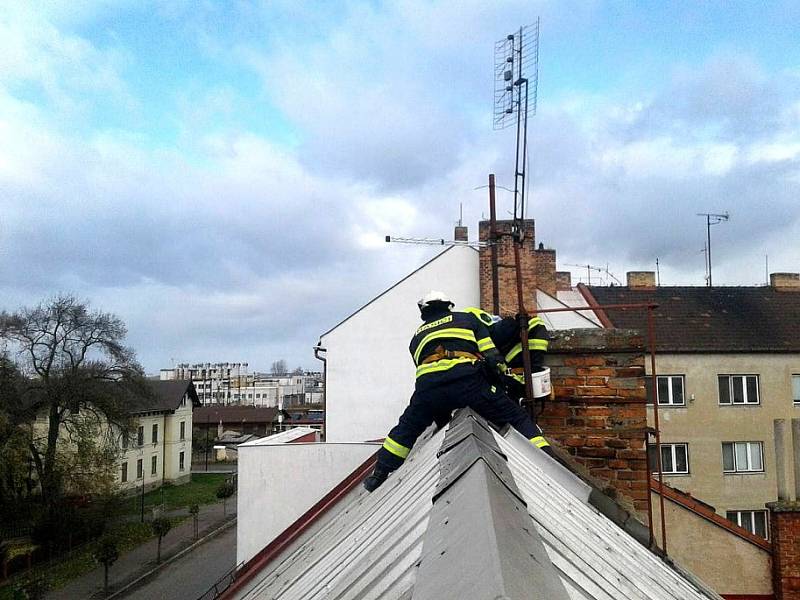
[711, 219]
[516, 85]
[590, 268]
[516, 82]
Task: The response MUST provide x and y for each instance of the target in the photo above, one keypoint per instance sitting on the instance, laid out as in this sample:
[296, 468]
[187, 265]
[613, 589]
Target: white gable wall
[370, 374]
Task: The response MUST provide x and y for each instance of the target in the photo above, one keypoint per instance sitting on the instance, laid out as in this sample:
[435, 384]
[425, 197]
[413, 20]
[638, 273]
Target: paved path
[193, 574]
[141, 559]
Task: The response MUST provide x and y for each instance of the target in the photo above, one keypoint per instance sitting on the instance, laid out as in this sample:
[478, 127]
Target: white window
[183, 430]
[796, 389]
[155, 433]
[742, 457]
[140, 436]
[674, 459]
[139, 469]
[124, 440]
[738, 389]
[670, 390]
[153, 465]
[755, 521]
[124, 474]
[181, 465]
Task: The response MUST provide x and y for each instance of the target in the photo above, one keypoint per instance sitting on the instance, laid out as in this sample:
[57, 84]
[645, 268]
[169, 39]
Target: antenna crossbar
[436, 242]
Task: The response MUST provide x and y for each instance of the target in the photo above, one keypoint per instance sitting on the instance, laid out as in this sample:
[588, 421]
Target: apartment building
[160, 448]
[728, 388]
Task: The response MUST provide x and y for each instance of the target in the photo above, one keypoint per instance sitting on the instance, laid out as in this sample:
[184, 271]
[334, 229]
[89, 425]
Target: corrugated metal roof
[595, 557]
[372, 548]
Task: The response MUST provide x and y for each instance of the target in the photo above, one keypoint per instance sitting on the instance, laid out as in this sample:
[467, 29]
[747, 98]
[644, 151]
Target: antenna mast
[717, 219]
[516, 82]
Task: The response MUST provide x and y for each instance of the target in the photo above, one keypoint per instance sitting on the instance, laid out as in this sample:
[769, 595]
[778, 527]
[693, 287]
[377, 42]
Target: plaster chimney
[641, 279]
[461, 233]
[785, 282]
[563, 281]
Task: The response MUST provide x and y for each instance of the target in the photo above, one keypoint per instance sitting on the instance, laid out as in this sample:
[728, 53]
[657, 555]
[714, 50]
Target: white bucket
[541, 383]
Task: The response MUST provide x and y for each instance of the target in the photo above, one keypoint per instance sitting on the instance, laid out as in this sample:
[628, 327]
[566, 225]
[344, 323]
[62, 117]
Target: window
[670, 390]
[183, 430]
[738, 389]
[674, 459]
[155, 433]
[796, 389]
[742, 457]
[140, 436]
[153, 465]
[755, 521]
[181, 465]
[124, 440]
[124, 474]
[139, 469]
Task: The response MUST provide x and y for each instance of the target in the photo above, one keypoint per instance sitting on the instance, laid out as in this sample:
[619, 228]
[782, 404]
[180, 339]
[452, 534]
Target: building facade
[728, 390]
[160, 448]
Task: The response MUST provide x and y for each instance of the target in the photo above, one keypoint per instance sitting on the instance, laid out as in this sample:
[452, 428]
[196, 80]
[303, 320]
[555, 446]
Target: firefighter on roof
[452, 352]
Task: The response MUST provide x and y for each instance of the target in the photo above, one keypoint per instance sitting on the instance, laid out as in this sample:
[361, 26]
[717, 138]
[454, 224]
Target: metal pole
[493, 247]
[207, 442]
[142, 492]
[708, 234]
[523, 330]
[651, 338]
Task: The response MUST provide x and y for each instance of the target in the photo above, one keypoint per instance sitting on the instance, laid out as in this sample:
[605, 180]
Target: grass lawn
[127, 535]
[202, 489]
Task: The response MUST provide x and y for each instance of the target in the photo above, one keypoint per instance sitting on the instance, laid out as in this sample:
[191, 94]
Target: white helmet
[434, 296]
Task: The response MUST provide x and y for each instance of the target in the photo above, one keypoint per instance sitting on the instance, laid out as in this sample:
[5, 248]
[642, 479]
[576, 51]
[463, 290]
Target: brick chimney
[563, 281]
[784, 522]
[785, 282]
[599, 415]
[641, 279]
[538, 267]
[461, 234]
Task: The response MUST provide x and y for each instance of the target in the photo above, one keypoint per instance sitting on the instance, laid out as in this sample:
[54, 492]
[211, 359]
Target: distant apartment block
[232, 383]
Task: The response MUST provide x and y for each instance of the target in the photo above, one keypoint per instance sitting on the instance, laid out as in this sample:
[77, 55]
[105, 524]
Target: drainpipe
[317, 349]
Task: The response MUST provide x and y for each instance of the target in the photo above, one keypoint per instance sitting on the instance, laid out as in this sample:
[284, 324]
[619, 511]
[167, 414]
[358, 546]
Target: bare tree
[279, 367]
[77, 371]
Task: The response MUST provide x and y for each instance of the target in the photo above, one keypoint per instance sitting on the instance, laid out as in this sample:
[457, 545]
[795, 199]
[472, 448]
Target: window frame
[669, 379]
[183, 430]
[154, 433]
[139, 468]
[672, 447]
[140, 436]
[182, 461]
[736, 470]
[124, 472]
[154, 465]
[744, 377]
[795, 377]
[738, 514]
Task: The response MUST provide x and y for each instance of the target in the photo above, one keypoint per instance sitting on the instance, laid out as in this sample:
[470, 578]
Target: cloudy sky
[221, 174]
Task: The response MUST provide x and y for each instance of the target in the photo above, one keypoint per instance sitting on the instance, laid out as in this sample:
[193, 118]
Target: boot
[374, 481]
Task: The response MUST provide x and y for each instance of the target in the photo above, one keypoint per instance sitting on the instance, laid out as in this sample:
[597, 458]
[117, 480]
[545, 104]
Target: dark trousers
[437, 402]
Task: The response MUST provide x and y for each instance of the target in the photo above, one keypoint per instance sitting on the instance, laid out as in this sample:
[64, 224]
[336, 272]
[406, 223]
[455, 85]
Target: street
[193, 574]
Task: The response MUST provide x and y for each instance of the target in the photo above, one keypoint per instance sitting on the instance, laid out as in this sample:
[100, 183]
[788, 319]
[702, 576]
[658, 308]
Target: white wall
[370, 374]
[280, 482]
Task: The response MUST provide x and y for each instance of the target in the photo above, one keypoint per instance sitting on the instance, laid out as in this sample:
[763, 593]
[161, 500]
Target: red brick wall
[599, 414]
[785, 530]
[538, 268]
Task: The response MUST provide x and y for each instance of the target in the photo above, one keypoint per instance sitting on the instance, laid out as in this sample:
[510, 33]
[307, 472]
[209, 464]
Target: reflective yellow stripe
[442, 365]
[395, 448]
[533, 322]
[484, 317]
[485, 344]
[452, 333]
[533, 344]
[539, 441]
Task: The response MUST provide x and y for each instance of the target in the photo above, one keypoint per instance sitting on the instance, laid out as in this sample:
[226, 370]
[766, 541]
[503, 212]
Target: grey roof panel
[595, 557]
